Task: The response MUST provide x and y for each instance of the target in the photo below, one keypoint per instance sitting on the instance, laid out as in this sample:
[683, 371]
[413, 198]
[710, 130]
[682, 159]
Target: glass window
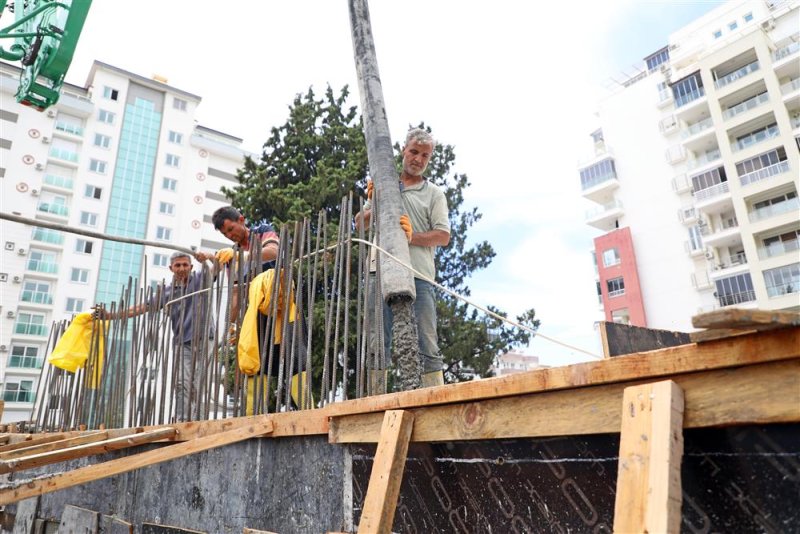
[610, 257]
[748, 17]
[80, 276]
[783, 280]
[101, 140]
[36, 292]
[735, 290]
[616, 287]
[30, 324]
[21, 391]
[166, 208]
[175, 137]
[160, 260]
[74, 305]
[83, 246]
[717, 34]
[110, 93]
[92, 191]
[708, 179]
[732, 25]
[653, 61]
[170, 184]
[88, 218]
[163, 233]
[172, 160]
[25, 357]
[105, 116]
[95, 165]
[179, 104]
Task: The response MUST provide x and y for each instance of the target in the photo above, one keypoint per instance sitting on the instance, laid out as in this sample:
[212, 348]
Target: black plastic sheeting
[736, 479]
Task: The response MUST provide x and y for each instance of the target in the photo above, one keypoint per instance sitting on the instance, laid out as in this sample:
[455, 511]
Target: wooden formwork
[745, 369]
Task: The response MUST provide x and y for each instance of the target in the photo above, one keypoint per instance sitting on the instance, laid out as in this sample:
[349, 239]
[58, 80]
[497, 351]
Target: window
[610, 257]
[160, 260]
[598, 173]
[688, 89]
[36, 292]
[616, 287]
[732, 25]
[95, 165]
[42, 262]
[708, 179]
[163, 233]
[172, 160]
[717, 34]
[88, 218]
[175, 137]
[748, 17]
[654, 60]
[92, 191]
[105, 116]
[83, 246]
[101, 140]
[735, 290]
[30, 324]
[179, 104]
[25, 356]
[783, 280]
[170, 184]
[80, 276]
[74, 305]
[770, 162]
[166, 208]
[621, 316]
[21, 391]
[110, 93]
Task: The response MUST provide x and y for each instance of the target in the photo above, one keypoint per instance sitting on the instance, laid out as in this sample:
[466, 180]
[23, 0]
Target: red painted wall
[626, 268]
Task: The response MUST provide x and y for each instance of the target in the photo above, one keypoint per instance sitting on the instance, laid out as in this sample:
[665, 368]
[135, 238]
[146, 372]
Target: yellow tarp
[72, 349]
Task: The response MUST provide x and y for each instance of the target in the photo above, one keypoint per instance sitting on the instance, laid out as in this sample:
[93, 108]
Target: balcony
[36, 297]
[64, 155]
[603, 217]
[790, 87]
[728, 234]
[30, 329]
[694, 248]
[766, 172]
[778, 248]
[60, 182]
[690, 97]
[786, 51]
[681, 183]
[747, 105]
[69, 128]
[766, 212]
[42, 266]
[675, 154]
[711, 192]
[701, 280]
[597, 187]
[616, 293]
[697, 127]
[784, 289]
[664, 97]
[48, 236]
[756, 137]
[54, 209]
[736, 75]
[687, 215]
[736, 260]
[736, 298]
[705, 159]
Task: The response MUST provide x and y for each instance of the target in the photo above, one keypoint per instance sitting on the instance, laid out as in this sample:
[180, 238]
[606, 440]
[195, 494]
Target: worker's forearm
[362, 218]
[431, 238]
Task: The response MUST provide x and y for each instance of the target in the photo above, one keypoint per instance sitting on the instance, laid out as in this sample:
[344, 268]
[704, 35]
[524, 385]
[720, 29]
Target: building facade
[695, 173]
[123, 156]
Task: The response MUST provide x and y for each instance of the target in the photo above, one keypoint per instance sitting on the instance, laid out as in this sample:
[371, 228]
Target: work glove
[224, 255]
[405, 224]
[370, 189]
[233, 334]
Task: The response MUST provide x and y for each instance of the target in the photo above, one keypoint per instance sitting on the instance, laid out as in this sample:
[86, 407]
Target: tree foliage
[319, 156]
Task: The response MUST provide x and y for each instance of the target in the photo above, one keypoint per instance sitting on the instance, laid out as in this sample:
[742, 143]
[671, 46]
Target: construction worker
[426, 208]
[191, 345]
[231, 223]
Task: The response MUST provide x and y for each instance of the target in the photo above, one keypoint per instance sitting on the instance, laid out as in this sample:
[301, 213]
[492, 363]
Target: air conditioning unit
[46, 140]
[768, 25]
[51, 113]
[35, 192]
[3, 348]
[11, 314]
[22, 251]
[17, 279]
[39, 167]
[709, 254]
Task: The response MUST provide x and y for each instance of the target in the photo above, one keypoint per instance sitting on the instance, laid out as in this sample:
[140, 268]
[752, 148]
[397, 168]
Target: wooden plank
[16, 441]
[25, 489]
[254, 531]
[26, 516]
[152, 528]
[80, 451]
[746, 319]
[765, 393]
[387, 473]
[743, 350]
[74, 520]
[90, 437]
[619, 339]
[648, 497]
[717, 333]
[114, 525]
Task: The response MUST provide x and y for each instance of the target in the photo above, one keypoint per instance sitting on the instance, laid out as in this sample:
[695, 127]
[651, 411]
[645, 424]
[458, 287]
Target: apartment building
[513, 362]
[693, 182]
[124, 156]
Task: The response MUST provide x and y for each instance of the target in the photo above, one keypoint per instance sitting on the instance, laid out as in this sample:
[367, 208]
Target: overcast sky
[512, 84]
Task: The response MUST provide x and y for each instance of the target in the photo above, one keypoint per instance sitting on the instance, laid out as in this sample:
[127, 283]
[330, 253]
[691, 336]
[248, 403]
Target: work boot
[376, 381]
[435, 378]
[299, 389]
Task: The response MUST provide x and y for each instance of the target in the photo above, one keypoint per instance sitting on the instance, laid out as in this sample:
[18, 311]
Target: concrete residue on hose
[405, 344]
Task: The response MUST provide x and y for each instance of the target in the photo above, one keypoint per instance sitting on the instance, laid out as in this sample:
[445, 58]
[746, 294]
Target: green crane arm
[45, 34]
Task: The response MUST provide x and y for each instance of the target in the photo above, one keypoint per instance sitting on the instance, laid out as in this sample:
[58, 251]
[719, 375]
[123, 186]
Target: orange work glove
[370, 189]
[405, 224]
[224, 255]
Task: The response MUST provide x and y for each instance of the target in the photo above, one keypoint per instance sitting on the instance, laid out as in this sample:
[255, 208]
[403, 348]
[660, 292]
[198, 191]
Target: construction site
[280, 384]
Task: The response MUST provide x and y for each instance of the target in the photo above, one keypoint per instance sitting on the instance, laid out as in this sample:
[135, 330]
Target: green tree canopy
[319, 156]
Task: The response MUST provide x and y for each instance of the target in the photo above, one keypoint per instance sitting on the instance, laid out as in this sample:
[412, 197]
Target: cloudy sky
[513, 85]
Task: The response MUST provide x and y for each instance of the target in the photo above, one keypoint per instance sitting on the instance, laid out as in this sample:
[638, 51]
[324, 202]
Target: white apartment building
[510, 363]
[123, 156]
[695, 174]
